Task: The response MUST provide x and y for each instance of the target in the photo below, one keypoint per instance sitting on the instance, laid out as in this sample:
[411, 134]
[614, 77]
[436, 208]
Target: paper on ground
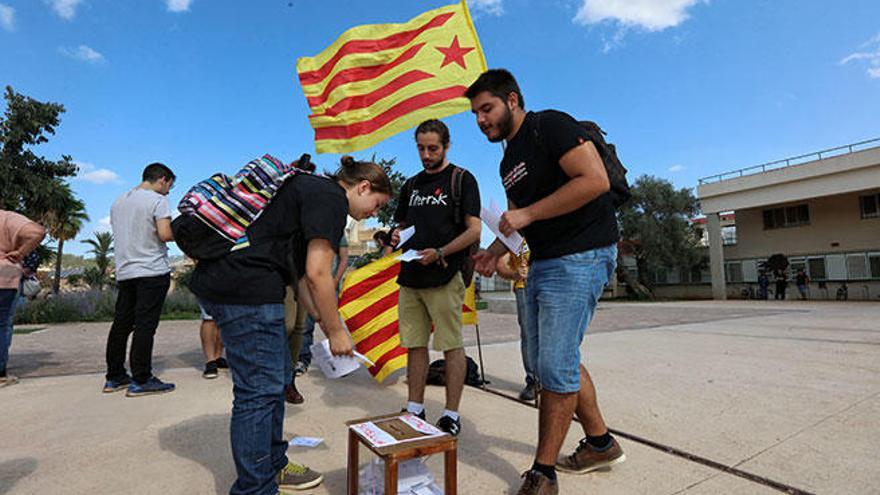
[409, 255]
[492, 217]
[405, 235]
[305, 441]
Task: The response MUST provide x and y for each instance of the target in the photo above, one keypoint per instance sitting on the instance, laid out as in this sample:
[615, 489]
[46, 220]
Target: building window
[728, 235]
[874, 261]
[816, 268]
[856, 266]
[788, 216]
[734, 273]
[870, 206]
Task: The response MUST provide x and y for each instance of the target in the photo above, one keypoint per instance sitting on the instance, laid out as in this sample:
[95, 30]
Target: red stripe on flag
[388, 356]
[368, 284]
[364, 101]
[406, 106]
[396, 40]
[378, 338]
[355, 74]
[372, 311]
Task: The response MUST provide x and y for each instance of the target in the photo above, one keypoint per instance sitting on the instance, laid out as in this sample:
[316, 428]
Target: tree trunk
[633, 286]
[56, 285]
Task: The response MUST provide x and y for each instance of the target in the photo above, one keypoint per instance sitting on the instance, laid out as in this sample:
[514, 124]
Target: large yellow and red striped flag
[377, 80]
[368, 303]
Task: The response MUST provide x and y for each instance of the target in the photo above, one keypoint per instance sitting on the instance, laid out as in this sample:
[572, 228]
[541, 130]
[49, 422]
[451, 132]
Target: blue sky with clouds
[685, 88]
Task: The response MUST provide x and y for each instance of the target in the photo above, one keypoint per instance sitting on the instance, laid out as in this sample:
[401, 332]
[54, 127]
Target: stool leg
[352, 463]
[450, 468]
[390, 476]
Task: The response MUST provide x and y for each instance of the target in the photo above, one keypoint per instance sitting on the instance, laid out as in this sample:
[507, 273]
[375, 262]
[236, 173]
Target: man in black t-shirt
[557, 191]
[432, 288]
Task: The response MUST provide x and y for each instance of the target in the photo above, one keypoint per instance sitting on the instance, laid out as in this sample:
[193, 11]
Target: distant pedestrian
[763, 285]
[781, 284]
[802, 280]
[19, 236]
[141, 222]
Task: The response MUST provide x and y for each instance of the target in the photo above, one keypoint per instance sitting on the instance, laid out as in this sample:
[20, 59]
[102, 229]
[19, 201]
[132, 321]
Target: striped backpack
[216, 212]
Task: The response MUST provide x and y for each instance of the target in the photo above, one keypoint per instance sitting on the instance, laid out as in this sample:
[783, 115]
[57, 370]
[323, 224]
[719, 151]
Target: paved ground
[788, 394]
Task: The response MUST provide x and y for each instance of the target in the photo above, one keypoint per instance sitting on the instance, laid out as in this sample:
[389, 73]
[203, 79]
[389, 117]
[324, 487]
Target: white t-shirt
[137, 248]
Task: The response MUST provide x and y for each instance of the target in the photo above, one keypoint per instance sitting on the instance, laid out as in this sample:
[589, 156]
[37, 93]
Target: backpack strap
[457, 178]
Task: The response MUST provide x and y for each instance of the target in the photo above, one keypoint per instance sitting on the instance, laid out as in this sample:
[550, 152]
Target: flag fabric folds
[368, 304]
[377, 80]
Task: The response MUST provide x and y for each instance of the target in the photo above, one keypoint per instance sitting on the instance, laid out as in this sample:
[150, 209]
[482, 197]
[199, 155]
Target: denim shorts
[561, 296]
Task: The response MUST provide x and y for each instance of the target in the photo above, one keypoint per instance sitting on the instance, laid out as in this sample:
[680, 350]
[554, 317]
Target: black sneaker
[420, 415]
[449, 425]
[150, 387]
[210, 370]
[111, 386]
[222, 364]
[528, 392]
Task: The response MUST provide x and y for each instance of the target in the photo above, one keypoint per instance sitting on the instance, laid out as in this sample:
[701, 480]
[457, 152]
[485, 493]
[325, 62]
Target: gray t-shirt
[138, 250]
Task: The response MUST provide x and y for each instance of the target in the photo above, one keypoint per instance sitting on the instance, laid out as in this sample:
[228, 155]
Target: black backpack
[620, 192]
[437, 373]
[467, 264]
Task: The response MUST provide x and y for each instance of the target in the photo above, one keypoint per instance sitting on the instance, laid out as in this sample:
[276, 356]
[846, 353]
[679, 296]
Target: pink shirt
[10, 228]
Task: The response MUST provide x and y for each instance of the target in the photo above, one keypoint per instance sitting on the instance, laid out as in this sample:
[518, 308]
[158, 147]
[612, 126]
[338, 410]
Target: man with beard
[558, 198]
[442, 202]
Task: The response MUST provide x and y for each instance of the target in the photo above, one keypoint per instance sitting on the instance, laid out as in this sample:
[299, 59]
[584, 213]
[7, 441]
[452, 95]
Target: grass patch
[25, 331]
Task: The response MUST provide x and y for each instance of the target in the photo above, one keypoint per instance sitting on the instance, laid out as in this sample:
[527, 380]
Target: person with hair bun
[292, 243]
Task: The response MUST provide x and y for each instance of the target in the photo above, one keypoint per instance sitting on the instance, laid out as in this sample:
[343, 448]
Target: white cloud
[65, 9]
[492, 7]
[83, 53]
[7, 17]
[178, 5]
[676, 168]
[870, 56]
[104, 225]
[652, 15]
[95, 175]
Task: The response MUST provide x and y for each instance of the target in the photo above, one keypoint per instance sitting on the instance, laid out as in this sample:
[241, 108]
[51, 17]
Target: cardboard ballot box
[395, 438]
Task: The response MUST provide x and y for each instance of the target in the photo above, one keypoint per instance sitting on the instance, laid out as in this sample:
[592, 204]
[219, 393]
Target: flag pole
[480, 356]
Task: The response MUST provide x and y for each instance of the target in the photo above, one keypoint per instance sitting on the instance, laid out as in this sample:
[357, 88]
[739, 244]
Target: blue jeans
[562, 294]
[259, 362]
[524, 333]
[8, 298]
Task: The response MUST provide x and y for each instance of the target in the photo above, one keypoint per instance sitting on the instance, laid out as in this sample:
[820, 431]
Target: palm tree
[102, 248]
[63, 218]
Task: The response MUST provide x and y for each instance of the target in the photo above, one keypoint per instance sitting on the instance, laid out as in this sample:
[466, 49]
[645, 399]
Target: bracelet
[439, 253]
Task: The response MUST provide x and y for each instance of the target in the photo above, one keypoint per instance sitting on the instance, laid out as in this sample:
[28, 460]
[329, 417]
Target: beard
[434, 165]
[504, 126]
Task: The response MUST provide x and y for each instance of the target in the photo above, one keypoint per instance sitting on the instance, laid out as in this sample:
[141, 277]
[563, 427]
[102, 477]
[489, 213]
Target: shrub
[95, 306]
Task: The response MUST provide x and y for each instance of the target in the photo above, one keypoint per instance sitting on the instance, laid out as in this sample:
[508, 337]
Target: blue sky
[685, 88]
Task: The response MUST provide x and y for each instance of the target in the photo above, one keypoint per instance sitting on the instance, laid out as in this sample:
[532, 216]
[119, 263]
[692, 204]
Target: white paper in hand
[332, 366]
[492, 217]
[409, 256]
[405, 235]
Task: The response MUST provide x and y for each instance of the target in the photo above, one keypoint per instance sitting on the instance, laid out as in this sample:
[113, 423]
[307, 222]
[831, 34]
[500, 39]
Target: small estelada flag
[368, 304]
[377, 80]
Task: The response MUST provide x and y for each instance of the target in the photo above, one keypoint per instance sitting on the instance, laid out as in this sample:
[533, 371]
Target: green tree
[102, 248]
[27, 179]
[63, 218]
[386, 214]
[656, 227]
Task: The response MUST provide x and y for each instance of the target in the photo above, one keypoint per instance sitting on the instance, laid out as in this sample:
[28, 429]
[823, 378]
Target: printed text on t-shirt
[515, 175]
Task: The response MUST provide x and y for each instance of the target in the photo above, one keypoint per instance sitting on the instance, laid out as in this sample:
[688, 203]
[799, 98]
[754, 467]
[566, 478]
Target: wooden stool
[392, 455]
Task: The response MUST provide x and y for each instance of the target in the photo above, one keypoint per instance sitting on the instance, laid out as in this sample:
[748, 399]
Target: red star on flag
[454, 53]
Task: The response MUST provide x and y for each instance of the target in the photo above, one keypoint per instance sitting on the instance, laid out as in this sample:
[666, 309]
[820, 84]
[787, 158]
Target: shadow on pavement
[13, 471]
[205, 440]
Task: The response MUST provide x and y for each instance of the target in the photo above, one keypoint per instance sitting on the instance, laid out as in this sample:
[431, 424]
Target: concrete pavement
[788, 392]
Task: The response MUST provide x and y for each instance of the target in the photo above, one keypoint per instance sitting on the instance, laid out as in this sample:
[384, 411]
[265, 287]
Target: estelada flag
[368, 304]
[377, 80]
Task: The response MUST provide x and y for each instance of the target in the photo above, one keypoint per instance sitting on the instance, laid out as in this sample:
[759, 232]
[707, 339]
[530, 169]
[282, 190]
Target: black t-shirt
[430, 208]
[306, 207]
[530, 172]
